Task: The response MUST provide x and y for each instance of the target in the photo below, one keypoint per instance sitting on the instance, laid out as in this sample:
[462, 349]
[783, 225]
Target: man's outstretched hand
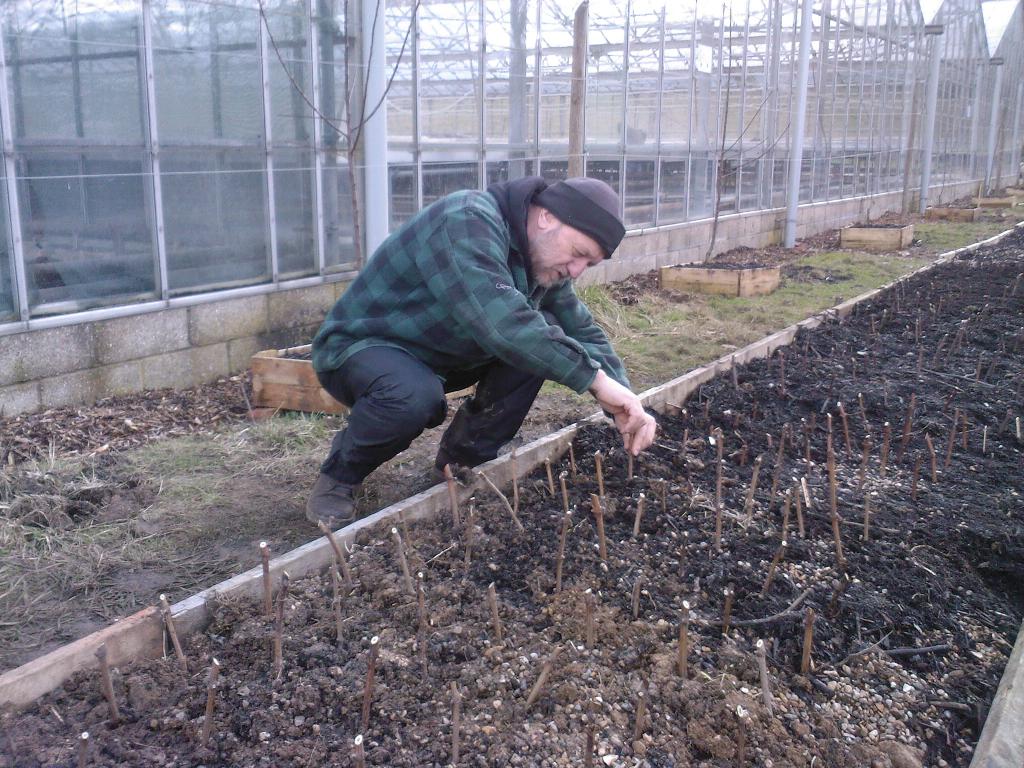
[636, 426]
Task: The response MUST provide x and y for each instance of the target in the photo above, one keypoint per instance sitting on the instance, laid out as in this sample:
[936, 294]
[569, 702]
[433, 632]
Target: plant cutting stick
[718, 440]
[834, 510]
[748, 504]
[404, 562]
[551, 477]
[336, 598]
[453, 494]
[371, 668]
[663, 492]
[785, 513]
[599, 472]
[799, 512]
[729, 593]
[931, 454]
[268, 588]
[545, 670]
[864, 414]
[641, 716]
[805, 659]
[456, 721]
[639, 515]
[468, 533]
[777, 470]
[339, 555]
[359, 751]
[563, 535]
[278, 642]
[595, 504]
[846, 428]
[635, 600]
[107, 685]
[883, 458]
[629, 465]
[779, 554]
[211, 700]
[492, 602]
[83, 749]
[421, 617]
[165, 611]
[565, 492]
[908, 425]
[504, 501]
[762, 668]
[572, 461]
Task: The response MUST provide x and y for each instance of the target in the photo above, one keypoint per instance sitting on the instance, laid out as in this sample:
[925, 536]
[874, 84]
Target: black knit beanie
[589, 205]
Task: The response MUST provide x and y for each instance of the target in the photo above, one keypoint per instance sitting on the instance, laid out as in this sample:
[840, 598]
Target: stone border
[141, 635]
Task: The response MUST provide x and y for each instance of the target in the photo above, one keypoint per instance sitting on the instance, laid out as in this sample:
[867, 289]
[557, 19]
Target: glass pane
[554, 170]
[440, 179]
[639, 202]
[330, 33]
[607, 170]
[290, 84]
[402, 194]
[449, 71]
[208, 83]
[511, 66]
[75, 75]
[87, 231]
[214, 218]
[672, 202]
[295, 211]
[605, 95]
[339, 232]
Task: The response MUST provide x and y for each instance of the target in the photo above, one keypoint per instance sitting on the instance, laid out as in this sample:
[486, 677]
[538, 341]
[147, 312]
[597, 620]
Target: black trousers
[393, 397]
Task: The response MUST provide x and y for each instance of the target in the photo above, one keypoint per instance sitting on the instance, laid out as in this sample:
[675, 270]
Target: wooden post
[577, 90]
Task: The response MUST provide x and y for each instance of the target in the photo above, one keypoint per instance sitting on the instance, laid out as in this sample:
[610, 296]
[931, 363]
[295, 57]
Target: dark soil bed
[912, 625]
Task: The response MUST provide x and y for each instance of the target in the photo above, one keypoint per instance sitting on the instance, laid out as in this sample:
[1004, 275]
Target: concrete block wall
[178, 347]
[184, 346]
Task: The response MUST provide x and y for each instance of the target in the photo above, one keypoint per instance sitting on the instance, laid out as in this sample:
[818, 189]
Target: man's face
[559, 252]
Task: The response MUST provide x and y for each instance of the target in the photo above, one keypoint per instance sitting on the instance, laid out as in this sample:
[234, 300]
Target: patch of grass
[662, 338]
[942, 236]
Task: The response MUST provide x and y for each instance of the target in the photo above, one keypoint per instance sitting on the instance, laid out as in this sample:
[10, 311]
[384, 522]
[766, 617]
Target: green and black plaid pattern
[449, 288]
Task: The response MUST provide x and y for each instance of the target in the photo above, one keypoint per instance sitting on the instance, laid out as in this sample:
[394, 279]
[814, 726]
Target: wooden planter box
[997, 202]
[289, 383]
[727, 282]
[952, 214]
[280, 382]
[877, 238]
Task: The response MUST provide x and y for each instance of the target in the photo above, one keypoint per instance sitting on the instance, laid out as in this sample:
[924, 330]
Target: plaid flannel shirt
[450, 288]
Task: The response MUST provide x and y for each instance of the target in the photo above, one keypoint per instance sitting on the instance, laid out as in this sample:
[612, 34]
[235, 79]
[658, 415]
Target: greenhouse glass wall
[160, 149]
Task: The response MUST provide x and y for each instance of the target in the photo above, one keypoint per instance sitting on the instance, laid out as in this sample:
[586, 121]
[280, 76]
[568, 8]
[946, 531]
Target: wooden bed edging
[141, 634]
[1001, 744]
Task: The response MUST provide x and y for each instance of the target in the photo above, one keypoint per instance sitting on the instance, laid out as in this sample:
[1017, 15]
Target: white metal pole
[375, 127]
[993, 121]
[934, 31]
[796, 145]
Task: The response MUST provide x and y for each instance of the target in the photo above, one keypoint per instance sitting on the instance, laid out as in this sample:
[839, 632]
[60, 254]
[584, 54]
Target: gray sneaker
[332, 502]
